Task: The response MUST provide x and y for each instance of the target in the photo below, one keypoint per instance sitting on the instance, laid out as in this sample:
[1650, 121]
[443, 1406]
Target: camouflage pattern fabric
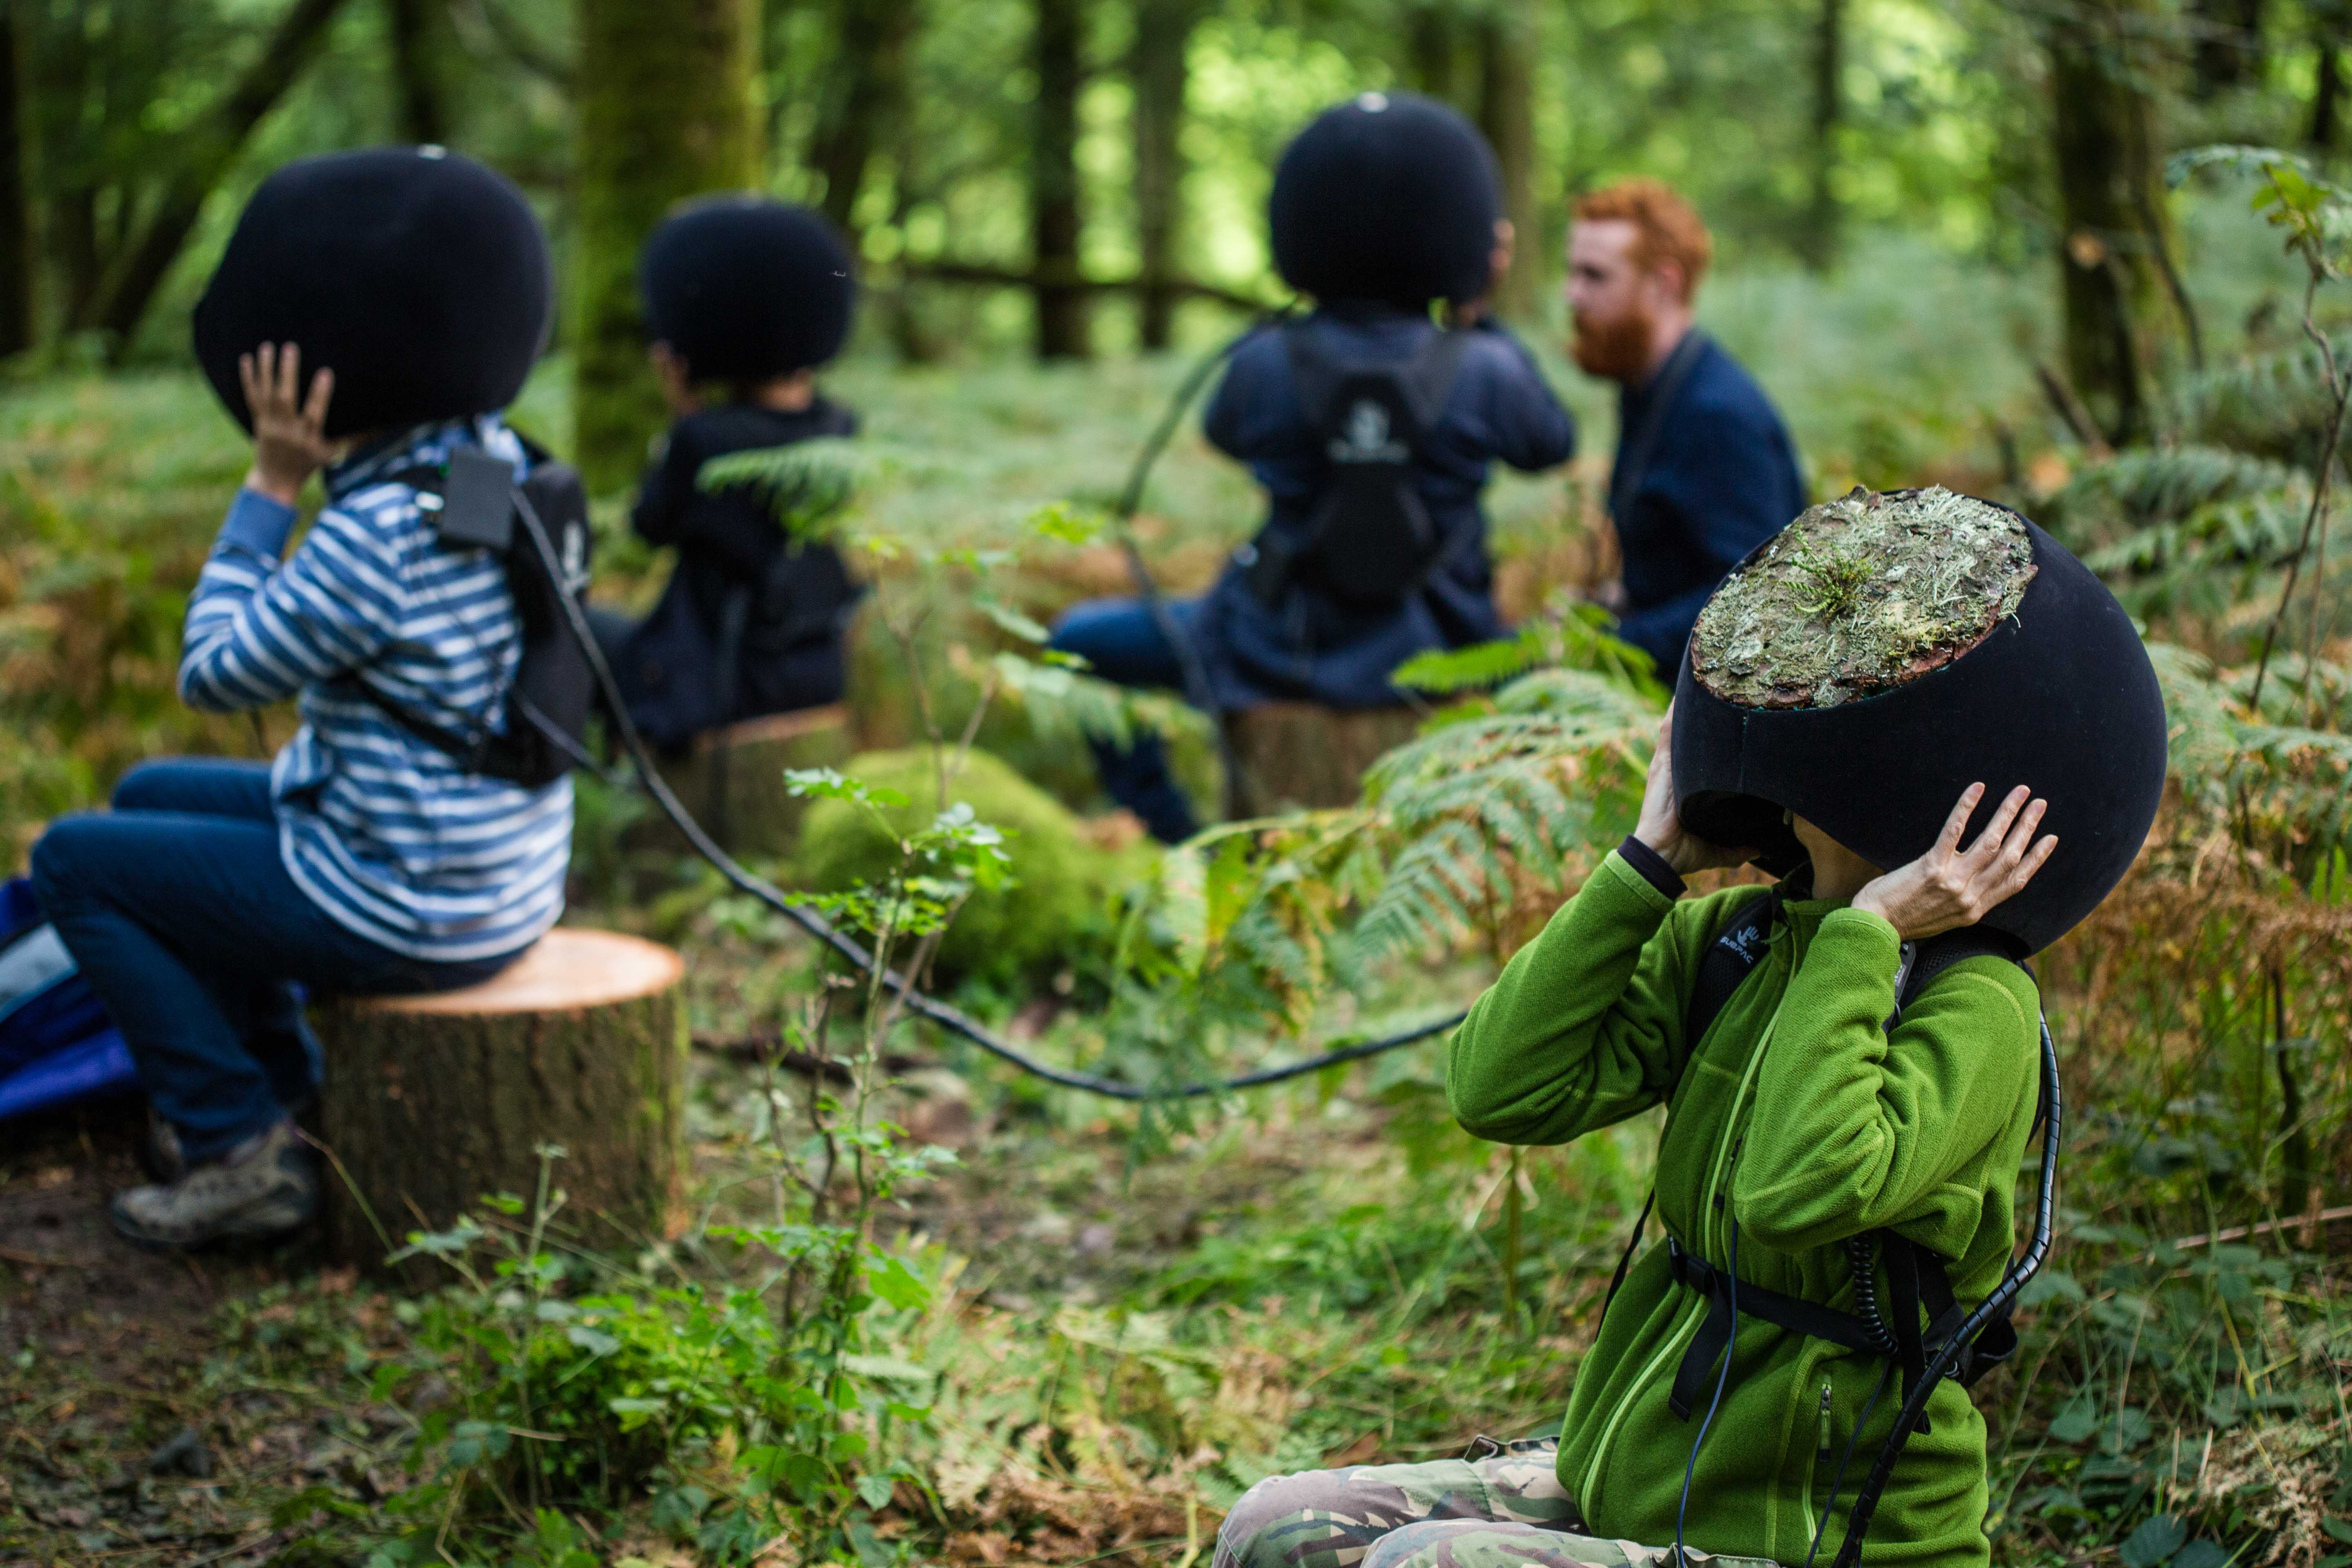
[1507, 1510]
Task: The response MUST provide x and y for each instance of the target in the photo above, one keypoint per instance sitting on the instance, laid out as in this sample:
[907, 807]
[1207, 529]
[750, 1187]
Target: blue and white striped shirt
[385, 833]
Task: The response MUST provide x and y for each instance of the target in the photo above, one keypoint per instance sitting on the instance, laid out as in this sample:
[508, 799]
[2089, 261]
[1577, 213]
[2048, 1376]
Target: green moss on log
[1861, 593]
[669, 109]
[1058, 914]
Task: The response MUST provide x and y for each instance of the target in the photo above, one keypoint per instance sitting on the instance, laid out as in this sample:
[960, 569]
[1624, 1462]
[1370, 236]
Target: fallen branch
[2069, 405]
[768, 1048]
[2270, 1227]
[1010, 277]
[35, 1260]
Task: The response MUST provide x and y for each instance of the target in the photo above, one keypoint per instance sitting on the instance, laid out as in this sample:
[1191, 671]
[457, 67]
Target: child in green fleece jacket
[1798, 1119]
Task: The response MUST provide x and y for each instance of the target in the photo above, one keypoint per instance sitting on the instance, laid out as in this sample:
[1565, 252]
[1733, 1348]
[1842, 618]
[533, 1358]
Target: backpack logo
[1365, 438]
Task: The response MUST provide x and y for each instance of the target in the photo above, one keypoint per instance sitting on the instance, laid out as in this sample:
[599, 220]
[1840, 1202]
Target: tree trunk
[2327, 90]
[873, 40]
[433, 1102]
[1163, 31]
[205, 157]
[1507, 116]
[1823, 220]
[1055, 219]
[733, 782]
[1432, 53]
[16, 220]
[2227, 47]
[414, 26]
[668, 109]
[1291, 754]
[2111, 196]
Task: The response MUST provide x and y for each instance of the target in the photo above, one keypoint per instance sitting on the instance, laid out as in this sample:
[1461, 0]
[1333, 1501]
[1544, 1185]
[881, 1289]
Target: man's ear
[1670, 283]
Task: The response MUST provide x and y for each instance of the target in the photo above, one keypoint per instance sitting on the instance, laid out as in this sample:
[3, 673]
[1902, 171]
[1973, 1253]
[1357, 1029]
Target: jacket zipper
[1675, 1341]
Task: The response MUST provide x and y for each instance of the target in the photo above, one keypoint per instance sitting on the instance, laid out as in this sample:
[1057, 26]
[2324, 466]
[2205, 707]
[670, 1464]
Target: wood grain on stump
[431, 1102]
[734, 780]
[1290, 754]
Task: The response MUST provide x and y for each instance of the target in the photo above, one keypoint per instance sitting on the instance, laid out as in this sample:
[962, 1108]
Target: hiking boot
[160, 1154]
[265, 1188]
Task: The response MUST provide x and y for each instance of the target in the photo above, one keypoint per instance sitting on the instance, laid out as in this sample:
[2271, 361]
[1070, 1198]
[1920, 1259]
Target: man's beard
[1617, 348]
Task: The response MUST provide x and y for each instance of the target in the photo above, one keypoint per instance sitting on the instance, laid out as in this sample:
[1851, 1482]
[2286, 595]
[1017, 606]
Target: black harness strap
[1918, 1283]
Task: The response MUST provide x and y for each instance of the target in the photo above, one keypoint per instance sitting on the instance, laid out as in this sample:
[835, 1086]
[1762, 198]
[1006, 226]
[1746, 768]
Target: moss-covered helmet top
[1858, 595]
[1882, 653]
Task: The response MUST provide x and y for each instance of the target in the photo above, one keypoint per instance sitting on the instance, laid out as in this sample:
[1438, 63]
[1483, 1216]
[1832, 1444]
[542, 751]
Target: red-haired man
[1705, 470]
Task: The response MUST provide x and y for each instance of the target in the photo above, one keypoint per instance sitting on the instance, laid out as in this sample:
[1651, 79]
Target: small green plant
[1834, 579]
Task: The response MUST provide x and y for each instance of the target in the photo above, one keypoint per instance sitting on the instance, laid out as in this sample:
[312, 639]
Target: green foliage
[1052, 911]
[807, 485]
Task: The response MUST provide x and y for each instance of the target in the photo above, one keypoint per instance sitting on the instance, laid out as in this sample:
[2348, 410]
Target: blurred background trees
[1073, 177]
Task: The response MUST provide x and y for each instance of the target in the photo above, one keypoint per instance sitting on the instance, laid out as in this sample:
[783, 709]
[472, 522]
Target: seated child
[364, 858]
[1370, 428]
[749, 295]
[1848, 1061]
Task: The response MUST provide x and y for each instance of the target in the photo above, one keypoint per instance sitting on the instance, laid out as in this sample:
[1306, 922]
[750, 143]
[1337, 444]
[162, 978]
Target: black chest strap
[1920, 1310]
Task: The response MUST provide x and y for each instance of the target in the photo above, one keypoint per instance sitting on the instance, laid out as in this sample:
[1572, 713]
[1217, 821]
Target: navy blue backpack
[55, 1041]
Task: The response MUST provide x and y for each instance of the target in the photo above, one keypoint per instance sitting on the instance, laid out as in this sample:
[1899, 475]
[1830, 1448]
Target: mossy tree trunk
[866, 107]
[1507, 116]
[417, 45]
[669, 109]
[2226, 48]
[2108, 140]
[1056, 217]
[1433, 45]
[1159, 73]
[2331, 20]
[1824, 218]
[16, 216]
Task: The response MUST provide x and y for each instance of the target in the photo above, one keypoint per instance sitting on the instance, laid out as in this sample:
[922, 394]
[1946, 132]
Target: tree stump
[1292, 754]
[431, 1102]
[733, 782]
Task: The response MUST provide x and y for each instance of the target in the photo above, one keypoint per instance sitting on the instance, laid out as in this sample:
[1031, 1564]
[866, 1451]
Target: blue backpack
[56, 1042]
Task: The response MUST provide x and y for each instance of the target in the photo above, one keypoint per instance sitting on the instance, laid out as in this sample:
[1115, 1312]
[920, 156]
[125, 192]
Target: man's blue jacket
[1307, 647]
[1719, 479]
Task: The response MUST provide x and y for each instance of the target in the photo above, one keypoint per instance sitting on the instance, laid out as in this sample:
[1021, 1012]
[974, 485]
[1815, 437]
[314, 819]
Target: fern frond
[807, 484]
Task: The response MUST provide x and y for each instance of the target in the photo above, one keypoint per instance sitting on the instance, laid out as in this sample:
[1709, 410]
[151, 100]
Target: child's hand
[1949, 887]
[1661, 824]
[289, 441]
[677, 384]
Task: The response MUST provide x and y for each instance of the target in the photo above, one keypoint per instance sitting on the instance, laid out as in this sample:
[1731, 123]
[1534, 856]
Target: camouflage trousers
[1505, 1511]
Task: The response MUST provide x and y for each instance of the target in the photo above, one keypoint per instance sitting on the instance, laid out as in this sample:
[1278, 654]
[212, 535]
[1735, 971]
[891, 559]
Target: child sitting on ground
[415, 285]
[1372, 429]
[750, 295]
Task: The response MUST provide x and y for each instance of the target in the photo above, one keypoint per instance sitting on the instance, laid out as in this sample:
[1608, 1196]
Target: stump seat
[1300, 755]
[733, 780]
[431, 1102]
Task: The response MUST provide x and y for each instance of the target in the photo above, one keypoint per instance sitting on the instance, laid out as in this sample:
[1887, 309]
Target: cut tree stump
[1293, 754]
[734, 780]
[431, 1102]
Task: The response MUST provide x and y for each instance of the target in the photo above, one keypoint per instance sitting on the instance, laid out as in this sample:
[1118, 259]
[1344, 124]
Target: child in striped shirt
[363, 859]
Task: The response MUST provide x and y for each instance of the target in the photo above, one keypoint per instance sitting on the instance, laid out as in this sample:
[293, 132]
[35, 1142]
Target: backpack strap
[1639, 444]
[1729, 959]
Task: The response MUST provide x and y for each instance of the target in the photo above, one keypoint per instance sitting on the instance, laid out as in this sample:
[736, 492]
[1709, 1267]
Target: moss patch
[1056, 915]
[1860, 594]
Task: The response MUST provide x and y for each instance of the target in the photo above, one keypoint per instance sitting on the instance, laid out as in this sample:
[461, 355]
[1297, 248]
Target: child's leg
[1506, 1543]
[276, 1033]
[179, 921]
[1332, 1518]
[204, 786]
[1122, 639]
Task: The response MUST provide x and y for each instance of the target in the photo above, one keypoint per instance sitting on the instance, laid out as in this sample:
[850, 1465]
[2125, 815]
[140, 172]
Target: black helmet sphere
[1388, 196]
[2051, 688]
[746, 288]
[418, 276]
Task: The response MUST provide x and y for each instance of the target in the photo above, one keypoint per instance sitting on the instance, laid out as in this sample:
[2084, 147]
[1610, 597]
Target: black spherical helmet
[419, 277]
[1388, 196]
[2056, 693]
[746, 288]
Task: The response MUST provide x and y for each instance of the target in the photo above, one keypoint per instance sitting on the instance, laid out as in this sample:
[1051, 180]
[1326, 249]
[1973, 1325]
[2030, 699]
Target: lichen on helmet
[1861, 593]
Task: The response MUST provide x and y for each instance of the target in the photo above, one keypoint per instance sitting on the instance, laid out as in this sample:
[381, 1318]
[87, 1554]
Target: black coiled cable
[1862, 1255]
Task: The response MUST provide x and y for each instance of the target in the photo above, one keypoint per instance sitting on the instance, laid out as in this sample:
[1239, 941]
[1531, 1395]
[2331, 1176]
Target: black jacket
[1308, 646]
[749, 624]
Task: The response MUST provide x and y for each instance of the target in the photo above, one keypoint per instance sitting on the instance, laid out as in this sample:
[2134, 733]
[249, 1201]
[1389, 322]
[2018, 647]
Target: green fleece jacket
[1798, 1113]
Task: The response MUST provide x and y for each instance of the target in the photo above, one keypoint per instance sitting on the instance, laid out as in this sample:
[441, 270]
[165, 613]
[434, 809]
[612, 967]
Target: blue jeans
[181, 915]
[1122, 639]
